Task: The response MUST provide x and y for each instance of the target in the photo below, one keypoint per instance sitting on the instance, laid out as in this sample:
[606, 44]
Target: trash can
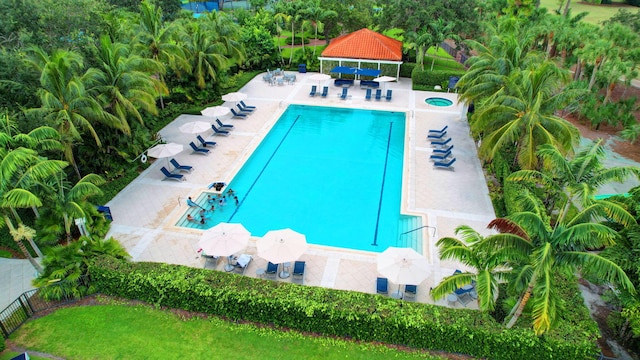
[302, 68]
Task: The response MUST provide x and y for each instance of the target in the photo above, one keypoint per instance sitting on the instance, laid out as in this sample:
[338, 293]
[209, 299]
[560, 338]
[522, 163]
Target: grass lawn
[135, 332]
[5, 254]
[597, 13]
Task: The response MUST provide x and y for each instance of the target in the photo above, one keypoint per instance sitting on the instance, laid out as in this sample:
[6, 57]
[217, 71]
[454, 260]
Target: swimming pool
[437, 101]
[333, 174]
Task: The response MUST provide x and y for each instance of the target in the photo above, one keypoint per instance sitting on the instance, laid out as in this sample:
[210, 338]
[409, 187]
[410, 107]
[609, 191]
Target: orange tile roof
[364, 44]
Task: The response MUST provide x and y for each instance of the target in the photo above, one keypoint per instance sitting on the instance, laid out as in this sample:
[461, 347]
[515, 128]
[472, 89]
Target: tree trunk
[610, 88]
[520, 306]
[593, 74]
[293, 41]
[33, 261]
[566, 8]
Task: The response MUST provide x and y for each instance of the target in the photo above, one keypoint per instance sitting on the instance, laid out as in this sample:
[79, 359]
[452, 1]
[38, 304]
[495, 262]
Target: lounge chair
[440, 142]
[198, 150]
[242, 110]
[440, 157]
[204, 142]
[410, 291]
[378, 94]
[224, 126]
[382, 285]
[444, 165]
[247, 106]
[171, 176]
[443, 150]
[436, 136]
[464, 296]
[444, 129]
[298, 272]
[271, 271]
[179, 167]
[368, 95]
[210, 259]
[242, 263]
[325, 91]
[345, 94]
[238, 115]
[314, 89]
[388, 97]
[217, 131]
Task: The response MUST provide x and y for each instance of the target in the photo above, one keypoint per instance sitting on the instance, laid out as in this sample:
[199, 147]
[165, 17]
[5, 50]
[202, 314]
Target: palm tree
[521, 115]
[123, 84]
[66, 104]
[549, 251]
[316, 14]
[488, 265]
[66, 203]
[207, 56]
[572, 184]
[439, 31]
[26, 233]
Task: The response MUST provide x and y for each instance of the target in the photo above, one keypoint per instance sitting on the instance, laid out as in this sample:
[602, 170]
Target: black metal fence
[31, 302]
[460, 56]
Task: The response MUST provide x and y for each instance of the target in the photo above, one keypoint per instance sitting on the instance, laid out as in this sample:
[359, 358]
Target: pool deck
[145, 211]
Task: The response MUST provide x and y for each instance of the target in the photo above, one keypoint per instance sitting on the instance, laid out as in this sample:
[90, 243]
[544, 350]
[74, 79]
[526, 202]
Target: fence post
[26, 311]
[33, 311]
[5, 333]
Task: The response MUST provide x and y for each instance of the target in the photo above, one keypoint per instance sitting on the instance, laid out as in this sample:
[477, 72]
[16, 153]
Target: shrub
[432, 78]
[298, 40]
[330, 312]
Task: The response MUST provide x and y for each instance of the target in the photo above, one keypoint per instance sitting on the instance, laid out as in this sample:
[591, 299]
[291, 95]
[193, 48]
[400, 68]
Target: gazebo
[364, 46]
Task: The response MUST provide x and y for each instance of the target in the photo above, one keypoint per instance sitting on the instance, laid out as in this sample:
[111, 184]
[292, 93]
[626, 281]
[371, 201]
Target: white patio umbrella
[384, 79]
[279, 246]
[216, 111]
[403, 266]
[234, 96]
[320, 77]
[224, 239]
[164, 150]
[195, 127]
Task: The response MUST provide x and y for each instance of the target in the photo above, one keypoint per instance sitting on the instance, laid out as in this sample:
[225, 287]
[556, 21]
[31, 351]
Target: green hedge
[430, 79]
[355, 315]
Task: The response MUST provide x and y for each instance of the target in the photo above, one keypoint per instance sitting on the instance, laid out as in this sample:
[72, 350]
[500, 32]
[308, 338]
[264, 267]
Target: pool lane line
[264, 167]
[384, 176]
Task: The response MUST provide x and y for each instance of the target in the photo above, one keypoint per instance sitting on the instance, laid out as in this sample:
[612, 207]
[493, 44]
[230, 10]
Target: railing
[458, 55]
[30, 303]
[602, 357]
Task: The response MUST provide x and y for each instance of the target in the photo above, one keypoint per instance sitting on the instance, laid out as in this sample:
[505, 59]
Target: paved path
[15, 278]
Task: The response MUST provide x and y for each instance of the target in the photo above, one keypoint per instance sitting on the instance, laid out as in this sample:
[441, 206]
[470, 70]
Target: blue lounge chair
[444, 165]
[171, 176]
[378, 94]
[179, 167]
[204, 142]
[444, 129]
[440, 157]
[443, 150]
[436, 136]
[325, 91]
[298, 271]
[410, 291]
[198, 150]
[247, 106]
[441, 142]
[217, 131]
[314, 88]
[368, 95]
[388, 97]
[382, 285]
[271, 271]
[344, 94]
[242, 111]
[238, 115]
[224, 126]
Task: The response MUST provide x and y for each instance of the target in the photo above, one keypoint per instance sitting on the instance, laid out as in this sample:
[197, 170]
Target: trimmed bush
[432, 78]
[355, 315]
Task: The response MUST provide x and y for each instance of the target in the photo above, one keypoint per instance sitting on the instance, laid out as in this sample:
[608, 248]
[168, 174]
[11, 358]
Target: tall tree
[439, 31]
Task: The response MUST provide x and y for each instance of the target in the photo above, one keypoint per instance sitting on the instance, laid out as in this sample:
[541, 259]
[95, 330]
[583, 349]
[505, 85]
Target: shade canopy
[224, 239]
[164, 150]
[320, 77]
[195, 127]
[234, 96]
[216, 111]
[279, 246]
[368, 72]
[344, 70]
[403, 266]
[384, 79]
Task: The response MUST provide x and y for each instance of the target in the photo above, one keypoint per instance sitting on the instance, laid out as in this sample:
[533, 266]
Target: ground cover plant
[119, 330]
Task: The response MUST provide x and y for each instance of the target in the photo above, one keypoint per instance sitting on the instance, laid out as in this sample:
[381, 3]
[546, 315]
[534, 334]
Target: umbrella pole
[228, 267]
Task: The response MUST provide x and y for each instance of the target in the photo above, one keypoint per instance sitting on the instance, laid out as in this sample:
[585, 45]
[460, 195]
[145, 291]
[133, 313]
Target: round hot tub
[438, 101]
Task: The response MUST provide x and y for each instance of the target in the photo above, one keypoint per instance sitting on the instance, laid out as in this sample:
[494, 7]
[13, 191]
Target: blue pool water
[332, 174]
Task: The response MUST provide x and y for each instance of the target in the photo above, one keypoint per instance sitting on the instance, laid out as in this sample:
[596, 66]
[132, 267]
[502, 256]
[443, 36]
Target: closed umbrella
[403, 266]
[224, 239]
[279, 246]
[195, 127]
[216, 111]
[234, 96]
